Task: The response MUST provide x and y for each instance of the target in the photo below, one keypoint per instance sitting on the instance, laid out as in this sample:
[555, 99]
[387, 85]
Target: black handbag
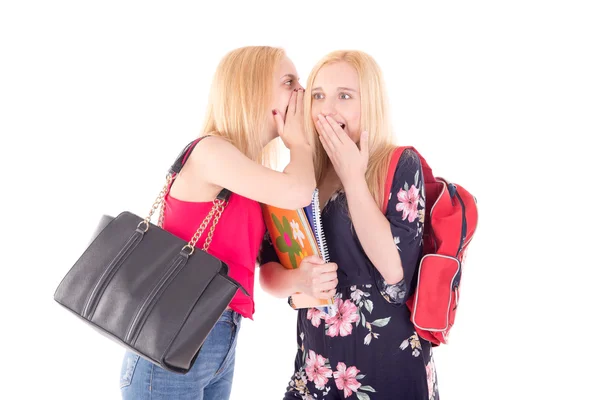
[147, 289]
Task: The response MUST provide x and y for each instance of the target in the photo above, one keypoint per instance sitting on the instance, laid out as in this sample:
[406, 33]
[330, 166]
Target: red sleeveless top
[236, 240]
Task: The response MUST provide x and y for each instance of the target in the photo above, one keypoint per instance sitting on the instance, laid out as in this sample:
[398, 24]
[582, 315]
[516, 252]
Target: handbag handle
[219, 204]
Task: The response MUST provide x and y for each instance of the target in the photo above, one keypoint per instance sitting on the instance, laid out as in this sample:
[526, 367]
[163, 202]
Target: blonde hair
[374, 118]
[240, 95]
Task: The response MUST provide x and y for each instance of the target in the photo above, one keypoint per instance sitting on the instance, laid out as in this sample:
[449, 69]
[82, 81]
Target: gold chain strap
[161, 216]
[217, 208]
[220, 206]
[216, 212]
[160, 199]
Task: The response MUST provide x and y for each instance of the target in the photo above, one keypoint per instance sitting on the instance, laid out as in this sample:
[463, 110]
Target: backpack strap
[427, 173]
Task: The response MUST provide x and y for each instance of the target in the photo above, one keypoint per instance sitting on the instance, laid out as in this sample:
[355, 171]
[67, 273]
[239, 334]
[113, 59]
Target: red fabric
[236, 240]
[434, 303]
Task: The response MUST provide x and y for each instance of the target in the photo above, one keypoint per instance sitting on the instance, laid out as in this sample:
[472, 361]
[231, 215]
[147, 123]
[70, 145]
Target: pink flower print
[316, 370]
[408, 203]
[430, 369]
[345, 379]
[287, 239]
[315, 315]
[341, 322]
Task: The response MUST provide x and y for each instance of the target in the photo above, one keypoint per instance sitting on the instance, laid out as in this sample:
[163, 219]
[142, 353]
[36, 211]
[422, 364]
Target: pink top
[236, 241]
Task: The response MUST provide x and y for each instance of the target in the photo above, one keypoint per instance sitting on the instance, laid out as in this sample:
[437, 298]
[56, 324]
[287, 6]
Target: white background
[97, 98]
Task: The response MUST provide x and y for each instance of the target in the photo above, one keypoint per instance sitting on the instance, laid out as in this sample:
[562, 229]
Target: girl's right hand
[317, 278]
[291, 129]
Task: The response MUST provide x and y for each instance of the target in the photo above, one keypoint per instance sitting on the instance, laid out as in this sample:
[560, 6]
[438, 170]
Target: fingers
[278, 122]
[326, 295]
[321, 280]
[325, 286]
[364, 144]
[313, 260]
[292, 103]
[326, 147]
[324, 138]
[300, 103]
[328, 267]
[319, 267]
[337, 129]
[328, 131]
[325, 277]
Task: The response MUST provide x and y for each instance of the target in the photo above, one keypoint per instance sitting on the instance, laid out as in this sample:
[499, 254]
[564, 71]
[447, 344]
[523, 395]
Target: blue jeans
[210, 377]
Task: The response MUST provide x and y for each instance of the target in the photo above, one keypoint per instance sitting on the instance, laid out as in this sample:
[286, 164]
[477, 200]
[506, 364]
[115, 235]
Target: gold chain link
[218, 208]
[161, 215]
[201, 229]
[160, 199]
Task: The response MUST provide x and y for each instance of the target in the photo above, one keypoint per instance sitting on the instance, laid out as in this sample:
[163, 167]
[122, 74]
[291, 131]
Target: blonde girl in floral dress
[368, 349]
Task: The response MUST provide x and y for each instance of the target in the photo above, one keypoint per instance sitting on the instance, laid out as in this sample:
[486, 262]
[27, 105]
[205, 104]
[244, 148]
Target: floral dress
[367, 350]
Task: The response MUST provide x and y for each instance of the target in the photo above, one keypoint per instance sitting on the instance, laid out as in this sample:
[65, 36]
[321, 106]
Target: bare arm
[219, 163]
[372, 227]
[277, 280]
[373, 231]
[312, 277]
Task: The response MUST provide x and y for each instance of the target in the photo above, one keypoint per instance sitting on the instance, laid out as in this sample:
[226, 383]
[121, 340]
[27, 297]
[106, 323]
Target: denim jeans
[210, 377]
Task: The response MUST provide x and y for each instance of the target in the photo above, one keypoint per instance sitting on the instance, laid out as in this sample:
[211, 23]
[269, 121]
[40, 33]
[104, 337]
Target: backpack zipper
[463, 235]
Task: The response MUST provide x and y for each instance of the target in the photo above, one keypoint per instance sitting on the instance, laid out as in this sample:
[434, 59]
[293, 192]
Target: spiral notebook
[297, 234]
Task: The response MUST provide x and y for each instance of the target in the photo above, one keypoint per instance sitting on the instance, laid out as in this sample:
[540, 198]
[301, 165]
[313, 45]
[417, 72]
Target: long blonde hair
[374, 118]
[239, 100]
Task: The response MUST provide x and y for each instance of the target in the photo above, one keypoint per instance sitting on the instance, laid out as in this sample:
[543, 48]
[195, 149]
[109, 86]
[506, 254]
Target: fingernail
[274, 112]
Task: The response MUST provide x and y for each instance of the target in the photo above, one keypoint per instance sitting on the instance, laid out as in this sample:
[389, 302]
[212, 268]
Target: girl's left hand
[349, 161]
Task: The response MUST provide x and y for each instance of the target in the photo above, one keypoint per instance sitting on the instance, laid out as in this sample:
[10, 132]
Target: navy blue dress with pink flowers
[369, 349]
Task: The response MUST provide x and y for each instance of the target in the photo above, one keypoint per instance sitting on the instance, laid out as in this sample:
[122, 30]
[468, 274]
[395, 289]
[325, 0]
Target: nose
[326, 107]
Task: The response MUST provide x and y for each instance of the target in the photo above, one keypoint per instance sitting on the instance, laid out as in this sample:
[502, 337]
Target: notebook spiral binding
[317, 223]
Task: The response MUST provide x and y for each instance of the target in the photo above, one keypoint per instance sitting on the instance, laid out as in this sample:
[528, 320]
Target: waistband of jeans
[231, 316]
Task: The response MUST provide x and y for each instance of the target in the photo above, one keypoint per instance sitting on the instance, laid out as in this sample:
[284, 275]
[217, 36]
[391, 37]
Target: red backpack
[450, 222]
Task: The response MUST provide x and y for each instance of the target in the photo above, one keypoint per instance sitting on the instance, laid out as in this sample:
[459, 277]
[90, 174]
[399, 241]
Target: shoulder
[212, 146]
[407, 189]
[408, 176]
[408, 169]
[409, 159]
[213, 152]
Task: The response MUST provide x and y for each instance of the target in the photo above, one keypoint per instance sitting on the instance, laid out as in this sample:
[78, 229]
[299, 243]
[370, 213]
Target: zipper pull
[452, 189]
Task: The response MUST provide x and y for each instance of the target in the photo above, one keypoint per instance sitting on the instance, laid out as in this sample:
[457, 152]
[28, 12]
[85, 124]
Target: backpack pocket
[436, 295]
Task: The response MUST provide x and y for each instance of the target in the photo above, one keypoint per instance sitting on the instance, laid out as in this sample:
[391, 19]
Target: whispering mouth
[342, 125]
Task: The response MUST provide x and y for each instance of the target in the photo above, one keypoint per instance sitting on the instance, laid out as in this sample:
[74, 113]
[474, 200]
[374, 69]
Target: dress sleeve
[406, 213]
